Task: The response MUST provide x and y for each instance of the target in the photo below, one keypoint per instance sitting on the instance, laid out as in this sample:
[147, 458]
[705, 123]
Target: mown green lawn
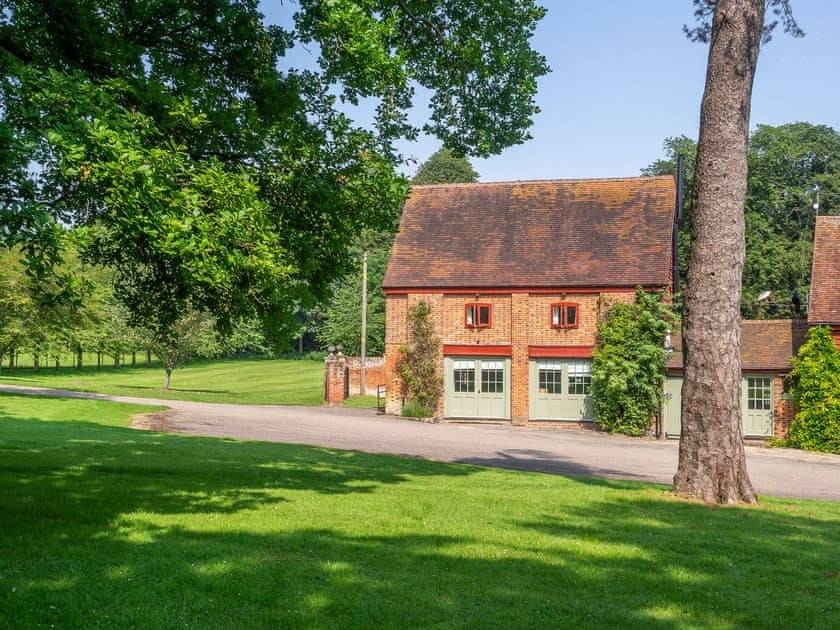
[104, 526]
[257, 381]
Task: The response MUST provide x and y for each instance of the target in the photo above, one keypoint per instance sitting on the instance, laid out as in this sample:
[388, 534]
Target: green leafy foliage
[342, 319]
[181, 341]
[343, 316]
[444, 167]
[792, 167]
[629, 363]
[816, 390]
[210, 176]
[418, 362]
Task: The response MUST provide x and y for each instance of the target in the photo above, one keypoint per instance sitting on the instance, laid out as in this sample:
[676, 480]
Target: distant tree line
[794, 173]
[61, 326]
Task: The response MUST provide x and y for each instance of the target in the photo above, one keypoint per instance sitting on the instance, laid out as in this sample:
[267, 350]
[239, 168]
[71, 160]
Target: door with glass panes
[477, 387]
[560, 389]
[757, 405]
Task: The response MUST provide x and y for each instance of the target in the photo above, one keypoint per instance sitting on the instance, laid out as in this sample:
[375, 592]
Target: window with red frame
[564, 315]
[477, 315]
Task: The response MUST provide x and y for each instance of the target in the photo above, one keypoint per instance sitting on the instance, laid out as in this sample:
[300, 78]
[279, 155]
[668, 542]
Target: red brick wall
[784, 409]
[519, 320]
[334, 380]
[374, 374]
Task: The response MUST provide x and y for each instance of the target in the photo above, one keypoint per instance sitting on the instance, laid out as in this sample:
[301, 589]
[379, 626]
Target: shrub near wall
[816, 390]
[418, 364]
[629, 363]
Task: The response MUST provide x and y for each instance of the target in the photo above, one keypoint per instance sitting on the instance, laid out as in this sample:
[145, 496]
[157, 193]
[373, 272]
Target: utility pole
[362, 388]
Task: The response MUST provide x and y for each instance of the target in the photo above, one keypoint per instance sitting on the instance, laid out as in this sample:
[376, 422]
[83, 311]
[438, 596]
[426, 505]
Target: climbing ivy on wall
[629, 363]
[418, 362]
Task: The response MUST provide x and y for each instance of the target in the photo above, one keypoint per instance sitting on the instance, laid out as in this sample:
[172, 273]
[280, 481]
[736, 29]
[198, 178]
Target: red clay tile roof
[541, 234]
[766, 344]
[824, 301]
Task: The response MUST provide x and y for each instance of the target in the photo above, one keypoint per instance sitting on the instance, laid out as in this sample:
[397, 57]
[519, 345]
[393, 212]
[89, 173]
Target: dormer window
[478, 315]
[564, 315]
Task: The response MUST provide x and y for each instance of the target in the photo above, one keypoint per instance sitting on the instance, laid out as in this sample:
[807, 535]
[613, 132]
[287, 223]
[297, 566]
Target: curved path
[778, 472]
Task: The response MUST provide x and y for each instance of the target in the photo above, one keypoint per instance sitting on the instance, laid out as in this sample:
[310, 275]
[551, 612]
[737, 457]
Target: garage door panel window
[492, 377]
[580, 378]
[464, 373]
[551, 377]
[759, 394]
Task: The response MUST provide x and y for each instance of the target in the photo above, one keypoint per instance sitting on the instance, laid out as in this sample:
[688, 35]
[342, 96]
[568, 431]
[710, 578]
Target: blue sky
[624, 77]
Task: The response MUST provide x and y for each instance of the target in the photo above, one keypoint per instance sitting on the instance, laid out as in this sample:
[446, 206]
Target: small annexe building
[516, 275]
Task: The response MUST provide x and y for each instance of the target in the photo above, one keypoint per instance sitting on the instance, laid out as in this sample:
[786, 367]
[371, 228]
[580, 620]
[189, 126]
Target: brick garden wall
[374, 374]
[342, 377]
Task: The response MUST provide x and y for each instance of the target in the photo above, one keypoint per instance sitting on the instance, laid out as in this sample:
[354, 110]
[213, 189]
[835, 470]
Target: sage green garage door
[477, 387]
[560, 389]
[756, 405]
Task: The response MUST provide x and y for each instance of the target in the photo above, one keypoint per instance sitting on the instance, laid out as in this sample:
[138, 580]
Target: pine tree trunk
[712, 463]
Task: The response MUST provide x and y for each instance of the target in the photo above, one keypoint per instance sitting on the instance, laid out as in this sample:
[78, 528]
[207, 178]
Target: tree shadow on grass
[107, 526]
[142, 574]
[549, 462]
[55, 469]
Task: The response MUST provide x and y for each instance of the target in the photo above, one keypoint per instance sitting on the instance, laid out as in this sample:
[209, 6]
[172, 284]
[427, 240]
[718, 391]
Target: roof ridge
[548, 181]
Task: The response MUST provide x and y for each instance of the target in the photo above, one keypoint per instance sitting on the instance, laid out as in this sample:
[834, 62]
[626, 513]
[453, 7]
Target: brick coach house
[516, 275]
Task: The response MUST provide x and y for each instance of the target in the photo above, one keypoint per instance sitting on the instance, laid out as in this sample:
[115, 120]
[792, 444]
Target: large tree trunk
[712, 464]
[167, 378]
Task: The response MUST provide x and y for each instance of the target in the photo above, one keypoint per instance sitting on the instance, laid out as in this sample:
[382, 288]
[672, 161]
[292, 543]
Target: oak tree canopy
[187, 156]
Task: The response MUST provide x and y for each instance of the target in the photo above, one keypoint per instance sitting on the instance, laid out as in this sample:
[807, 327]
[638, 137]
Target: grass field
[106, 526]
[257, 381]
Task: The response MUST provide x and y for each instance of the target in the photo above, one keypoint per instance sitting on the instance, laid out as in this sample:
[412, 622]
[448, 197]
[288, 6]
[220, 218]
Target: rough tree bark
[712, 461]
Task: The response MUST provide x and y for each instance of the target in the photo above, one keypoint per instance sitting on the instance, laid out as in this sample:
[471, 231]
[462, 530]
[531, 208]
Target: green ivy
[816, 389]
[418, 363]
[629, 363]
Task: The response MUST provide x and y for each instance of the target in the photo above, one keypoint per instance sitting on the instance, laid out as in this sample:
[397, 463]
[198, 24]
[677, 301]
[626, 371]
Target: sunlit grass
[363, 402]
[254, 381]
[107, 526]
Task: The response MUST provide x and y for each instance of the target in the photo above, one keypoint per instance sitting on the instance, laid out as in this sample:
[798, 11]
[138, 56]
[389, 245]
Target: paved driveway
[778, 472]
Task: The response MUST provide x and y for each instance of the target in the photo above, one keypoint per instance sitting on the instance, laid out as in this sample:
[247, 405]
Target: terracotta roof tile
[766, 344]
[556, 233]
[824, 301]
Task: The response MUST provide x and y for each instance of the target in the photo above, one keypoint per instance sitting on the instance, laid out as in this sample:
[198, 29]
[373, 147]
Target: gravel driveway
[778, 472]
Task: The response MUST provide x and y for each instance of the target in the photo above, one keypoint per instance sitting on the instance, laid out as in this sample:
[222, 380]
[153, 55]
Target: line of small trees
[77, 313]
